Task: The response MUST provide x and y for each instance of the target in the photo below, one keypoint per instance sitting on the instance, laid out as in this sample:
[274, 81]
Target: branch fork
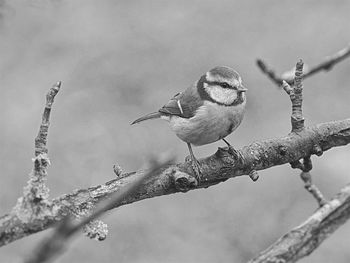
[326, 65]
[35, 212]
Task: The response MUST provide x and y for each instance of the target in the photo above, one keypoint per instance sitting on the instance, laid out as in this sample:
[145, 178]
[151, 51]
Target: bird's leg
[237, 154]
[195, 164]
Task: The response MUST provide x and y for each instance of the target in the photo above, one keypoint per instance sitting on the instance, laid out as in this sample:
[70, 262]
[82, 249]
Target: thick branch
[52, 246]
[304, 239]
[216, 168]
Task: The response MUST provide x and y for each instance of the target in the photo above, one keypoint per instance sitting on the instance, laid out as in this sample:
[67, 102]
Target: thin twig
[41, 139]
[35, 199]
[305, 175]
[326, 65]
[262, 65]
[296, 97]
[54, 245]
[312, 188]
[36, 184]
[297, 120]
[329, 62]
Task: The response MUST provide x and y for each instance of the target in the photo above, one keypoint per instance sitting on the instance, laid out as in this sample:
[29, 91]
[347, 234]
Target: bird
[206, 112]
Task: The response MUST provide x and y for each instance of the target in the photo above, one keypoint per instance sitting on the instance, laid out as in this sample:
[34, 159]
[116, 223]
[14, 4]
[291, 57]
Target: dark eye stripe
[205, 96]
[223, 85]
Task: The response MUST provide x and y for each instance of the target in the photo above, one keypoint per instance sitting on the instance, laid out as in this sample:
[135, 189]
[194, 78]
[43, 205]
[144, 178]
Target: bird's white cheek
[225, 96]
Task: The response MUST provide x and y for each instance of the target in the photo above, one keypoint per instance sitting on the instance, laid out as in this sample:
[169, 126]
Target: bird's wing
[184, 104]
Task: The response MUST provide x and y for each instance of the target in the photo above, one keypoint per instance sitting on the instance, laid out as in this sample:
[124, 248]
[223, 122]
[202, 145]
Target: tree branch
[180, 177]
[326, 65]
[52, 246]
[34, 202]
[296, 97]
[297, 120]
[34, 212]
[304, 239]
[312, 188]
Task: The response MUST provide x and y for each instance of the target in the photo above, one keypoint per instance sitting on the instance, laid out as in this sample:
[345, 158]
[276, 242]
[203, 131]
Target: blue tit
[207, 111]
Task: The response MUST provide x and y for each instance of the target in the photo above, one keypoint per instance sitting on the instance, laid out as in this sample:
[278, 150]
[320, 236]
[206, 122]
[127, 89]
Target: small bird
[208, 111]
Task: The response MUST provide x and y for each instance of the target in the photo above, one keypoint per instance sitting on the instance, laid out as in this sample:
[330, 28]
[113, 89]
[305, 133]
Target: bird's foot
[237, 155]
[196, 167]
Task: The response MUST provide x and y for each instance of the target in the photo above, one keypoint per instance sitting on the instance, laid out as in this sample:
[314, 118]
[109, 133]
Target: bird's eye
[225, 85]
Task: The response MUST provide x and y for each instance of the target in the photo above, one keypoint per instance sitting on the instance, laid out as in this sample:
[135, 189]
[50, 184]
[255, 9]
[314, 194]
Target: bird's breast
[211, 123]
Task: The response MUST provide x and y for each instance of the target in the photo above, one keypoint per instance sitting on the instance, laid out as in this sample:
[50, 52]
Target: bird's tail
[153, 115]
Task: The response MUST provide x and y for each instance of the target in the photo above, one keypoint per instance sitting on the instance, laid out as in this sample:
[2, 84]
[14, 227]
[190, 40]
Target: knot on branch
[317, 149]
[41, 161]
[96, 229]
[254, 175]
[36, 191]
[118, 171]
[184, 182]
[305, 166]
[29, 208]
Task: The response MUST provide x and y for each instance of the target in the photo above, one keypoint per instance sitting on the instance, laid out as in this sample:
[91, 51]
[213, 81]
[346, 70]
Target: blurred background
[120, 59]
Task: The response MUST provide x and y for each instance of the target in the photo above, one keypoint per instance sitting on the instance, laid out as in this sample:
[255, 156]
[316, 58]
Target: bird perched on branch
[207, 111]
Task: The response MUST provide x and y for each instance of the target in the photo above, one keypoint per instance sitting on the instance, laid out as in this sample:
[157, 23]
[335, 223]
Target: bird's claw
[196, 167]
[197, 170]
[236, 154]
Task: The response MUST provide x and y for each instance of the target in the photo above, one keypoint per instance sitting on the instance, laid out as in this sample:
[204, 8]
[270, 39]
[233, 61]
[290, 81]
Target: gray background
[121, 59]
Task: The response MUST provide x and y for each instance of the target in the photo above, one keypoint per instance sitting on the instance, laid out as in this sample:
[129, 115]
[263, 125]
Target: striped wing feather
[184, 104]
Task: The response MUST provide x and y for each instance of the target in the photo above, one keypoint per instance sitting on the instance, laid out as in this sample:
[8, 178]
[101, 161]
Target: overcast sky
[118, 60]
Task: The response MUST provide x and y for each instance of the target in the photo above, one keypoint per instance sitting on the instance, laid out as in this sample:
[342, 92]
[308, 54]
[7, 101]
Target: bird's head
[223, 86]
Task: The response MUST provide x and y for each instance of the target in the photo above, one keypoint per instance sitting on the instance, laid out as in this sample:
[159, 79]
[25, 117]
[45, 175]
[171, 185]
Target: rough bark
[304, 239]
[34, 211]
[180, 177]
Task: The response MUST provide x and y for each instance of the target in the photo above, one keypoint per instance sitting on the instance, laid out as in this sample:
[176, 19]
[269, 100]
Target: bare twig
[312, 188]
[304, 239]
[296, 97]
[325, 65]
[41, 139]
[262, 65]
[35, 194]
[329, 62]
[36, 189]
[54, 245]
[297, 120]
[305, 175]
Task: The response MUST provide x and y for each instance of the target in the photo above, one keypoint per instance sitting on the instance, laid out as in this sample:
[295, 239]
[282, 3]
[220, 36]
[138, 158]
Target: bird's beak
[242, 89]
